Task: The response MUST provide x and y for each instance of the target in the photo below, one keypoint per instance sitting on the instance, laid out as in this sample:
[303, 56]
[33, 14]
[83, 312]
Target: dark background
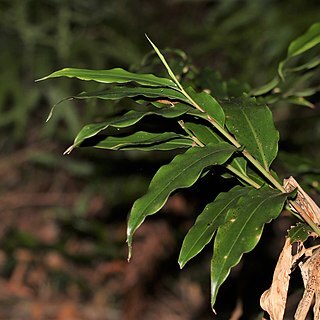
[63, 218]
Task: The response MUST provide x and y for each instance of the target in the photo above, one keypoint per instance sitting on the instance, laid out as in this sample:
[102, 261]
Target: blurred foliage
[41, 36]
[238, 39]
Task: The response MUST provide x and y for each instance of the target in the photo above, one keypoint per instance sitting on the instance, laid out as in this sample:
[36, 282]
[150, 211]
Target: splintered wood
[273, 300]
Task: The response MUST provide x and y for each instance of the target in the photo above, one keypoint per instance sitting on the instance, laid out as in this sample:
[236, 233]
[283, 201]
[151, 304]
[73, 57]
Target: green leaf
[301, 102]
[208, 221]
[305, 42]
[310, 64]
[206, 136]
[240, 164]
[203, 133]
[300, 232]
[144, 141]
[255, 176]
[163, 60]
[265, 88]
[182, 172]
[119, 92]
[209, 104]
[116, 75]
[241, 231]
[252, 125]
[300, 45]
[126, 120]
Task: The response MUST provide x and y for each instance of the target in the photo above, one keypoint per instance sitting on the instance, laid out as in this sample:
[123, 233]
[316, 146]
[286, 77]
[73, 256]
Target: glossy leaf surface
[209, 104]
[144, 141]
[207, 135]
[208, 221]
[182, 172]
[119, 92]
[128, 119]
[307, 41]
[241, 231]
[116, 75]
[252, 125]
[203, 133]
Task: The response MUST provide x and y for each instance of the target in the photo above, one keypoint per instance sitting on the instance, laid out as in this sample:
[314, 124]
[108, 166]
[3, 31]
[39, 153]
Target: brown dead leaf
[303, 200]
[310, 271]
[316, 308]
[274, 299]
[164, 101]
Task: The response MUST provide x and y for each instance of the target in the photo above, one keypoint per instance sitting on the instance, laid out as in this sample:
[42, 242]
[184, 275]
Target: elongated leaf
[305, 42]
[265, 88]
[182, 172]
[203, 133]
[209, 104]
[163, 60]
[314, 62]
[252, 125]
[255, 176]
[208, 221]
[206, 136]
[144, 141]
[128, 119]
[302, 44]
[306, 92]
[116, 75]
[301, 101]
[119, 92]
[241, 231]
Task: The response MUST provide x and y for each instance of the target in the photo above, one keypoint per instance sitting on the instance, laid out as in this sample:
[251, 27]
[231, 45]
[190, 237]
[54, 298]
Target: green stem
[243, 176]
[266, 173]
[191, 135]
[229, 167]
[306, 218]
[230, 138]
[255, 162]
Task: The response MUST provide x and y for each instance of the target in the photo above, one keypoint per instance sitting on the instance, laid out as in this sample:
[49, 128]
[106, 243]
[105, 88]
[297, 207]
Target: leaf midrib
[99, 74]
[243, 227]
[215, 218]
[148, 140]
[180, 173]
[130, 120]
[257, 140]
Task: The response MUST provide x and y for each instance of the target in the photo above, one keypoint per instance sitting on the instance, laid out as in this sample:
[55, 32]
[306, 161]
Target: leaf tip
[129, 242]
[51, 113]
[41, 79]
[152, 44]
[280, 70]
[69, 150]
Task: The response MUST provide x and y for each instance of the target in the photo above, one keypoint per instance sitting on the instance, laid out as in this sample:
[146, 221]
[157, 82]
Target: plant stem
[306, 218]
[229, 167]
[255, 162]
[224, 132]
[243, 176]
[191, 135]
[266, 173]
[230, 138]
